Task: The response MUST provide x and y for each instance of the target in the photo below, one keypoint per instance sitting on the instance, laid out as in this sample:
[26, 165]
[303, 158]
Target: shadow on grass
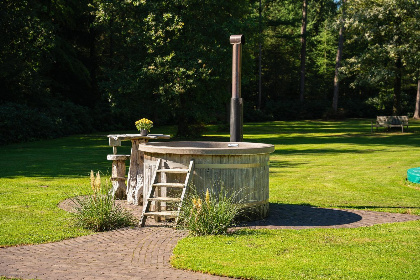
[378, 207]
[329, 132]
[64, 157]
[304, 216]
[77, 155]
[372, 140]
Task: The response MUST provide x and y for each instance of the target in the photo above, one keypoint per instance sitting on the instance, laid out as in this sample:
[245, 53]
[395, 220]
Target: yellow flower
[199, 204]
[97, 183]
[92, 180]
[207, 197]
[144, 124]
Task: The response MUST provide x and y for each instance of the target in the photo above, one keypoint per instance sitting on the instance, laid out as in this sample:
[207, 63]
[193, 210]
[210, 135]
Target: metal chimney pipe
[236, 104]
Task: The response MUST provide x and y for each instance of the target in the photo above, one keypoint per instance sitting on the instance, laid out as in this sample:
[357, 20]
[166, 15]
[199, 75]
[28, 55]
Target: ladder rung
[181, 171]
[165, 199]
[172, 185]
[163, 213]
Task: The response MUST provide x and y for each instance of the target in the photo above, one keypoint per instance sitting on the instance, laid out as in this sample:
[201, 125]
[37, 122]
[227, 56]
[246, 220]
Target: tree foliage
[114, 62]
[387, 33]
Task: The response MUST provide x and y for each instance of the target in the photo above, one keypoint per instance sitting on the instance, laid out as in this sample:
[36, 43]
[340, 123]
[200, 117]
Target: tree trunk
[303, 50]
[396, 109]
[111, 36]
[416, 112]
[93, 62]
[259, 57]
[338, 59]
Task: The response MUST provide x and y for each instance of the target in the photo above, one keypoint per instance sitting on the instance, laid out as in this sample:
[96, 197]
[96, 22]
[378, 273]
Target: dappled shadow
[280, 164]
[304, 216]
[323, 151]
[361, 207]
[75, 156]
[328, 132]
[371, 141]
[71, 156]
[349, 126]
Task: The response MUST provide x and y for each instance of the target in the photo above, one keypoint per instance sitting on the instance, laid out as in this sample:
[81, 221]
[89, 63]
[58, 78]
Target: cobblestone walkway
[141, 253]
[144, 253]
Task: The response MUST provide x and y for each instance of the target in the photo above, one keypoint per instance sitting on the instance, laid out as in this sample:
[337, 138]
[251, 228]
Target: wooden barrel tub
[241, 169]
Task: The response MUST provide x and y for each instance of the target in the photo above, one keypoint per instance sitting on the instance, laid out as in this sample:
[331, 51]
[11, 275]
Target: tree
[384, 31]
[199, 75]
[338, 58]
[417, 110]
[281, 40]
[303, 49]
[25, 45]
[321, 50]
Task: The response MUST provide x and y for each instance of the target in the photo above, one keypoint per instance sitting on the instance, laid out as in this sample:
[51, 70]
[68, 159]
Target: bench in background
[390, 121]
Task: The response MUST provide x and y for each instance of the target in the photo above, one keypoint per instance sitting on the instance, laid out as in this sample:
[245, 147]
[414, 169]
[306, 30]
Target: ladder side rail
[146, 201]
[184, 191]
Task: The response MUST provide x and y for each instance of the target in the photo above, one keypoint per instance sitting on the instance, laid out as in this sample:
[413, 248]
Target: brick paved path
[144, 253]
[283, 216]
[141, 253]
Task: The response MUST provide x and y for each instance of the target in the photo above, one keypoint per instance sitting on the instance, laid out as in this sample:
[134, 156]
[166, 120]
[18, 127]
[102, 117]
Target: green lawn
[340, 164]
[326, 164]
[380, 252]
[320, 163]
[35, 177]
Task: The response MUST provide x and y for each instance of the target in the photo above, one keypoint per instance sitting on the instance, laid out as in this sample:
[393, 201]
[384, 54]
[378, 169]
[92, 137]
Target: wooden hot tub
[240, 168]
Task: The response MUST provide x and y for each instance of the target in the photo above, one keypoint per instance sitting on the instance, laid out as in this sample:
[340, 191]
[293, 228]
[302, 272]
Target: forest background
[78, 66]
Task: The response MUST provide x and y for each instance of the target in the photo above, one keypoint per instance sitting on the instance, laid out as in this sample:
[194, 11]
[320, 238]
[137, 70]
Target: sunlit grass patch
[325, 164]
[387, 251]
[29, 214]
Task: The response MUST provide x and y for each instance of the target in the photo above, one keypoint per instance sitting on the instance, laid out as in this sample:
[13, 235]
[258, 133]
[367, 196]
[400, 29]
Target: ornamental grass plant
[209, 213]
[98, 211]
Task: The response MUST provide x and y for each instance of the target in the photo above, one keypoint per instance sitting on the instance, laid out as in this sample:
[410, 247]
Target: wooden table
[134, 188]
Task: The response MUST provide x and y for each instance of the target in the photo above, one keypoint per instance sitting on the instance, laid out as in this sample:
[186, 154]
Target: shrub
[98, 211]
[208, 215]
[22, 123]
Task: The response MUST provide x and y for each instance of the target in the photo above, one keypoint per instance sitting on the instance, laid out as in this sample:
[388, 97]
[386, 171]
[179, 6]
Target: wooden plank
[146, 204]
[165, 199]
[180, 171]
[171, 185]
[135, 172]
[249, 176]
[125, 137]
[163, 214]
[160, 192]
[186, 185]
[118, 179]
[114, 141]
[117, 157]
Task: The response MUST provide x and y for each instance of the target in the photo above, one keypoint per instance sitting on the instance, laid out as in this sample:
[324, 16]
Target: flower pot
[144, 132]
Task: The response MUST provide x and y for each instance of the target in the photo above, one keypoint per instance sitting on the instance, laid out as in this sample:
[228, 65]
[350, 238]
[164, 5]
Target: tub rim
[221, 148]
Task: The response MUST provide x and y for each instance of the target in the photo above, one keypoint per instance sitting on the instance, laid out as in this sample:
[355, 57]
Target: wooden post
[135, 173]
[118, 175]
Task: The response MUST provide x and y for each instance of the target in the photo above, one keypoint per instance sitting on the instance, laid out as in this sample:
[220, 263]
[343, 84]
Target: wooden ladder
[155, 185]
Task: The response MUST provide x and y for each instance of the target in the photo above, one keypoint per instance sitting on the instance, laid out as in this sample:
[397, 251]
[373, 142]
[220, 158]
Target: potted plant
[144, 125]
